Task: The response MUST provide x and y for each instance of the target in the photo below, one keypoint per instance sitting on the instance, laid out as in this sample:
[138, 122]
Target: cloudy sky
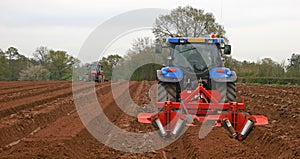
[256, 29]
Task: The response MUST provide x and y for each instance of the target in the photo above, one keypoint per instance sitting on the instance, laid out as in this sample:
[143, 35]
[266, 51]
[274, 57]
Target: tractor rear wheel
[227, 91]
[99, 79]
[167, 92]
[231, 92]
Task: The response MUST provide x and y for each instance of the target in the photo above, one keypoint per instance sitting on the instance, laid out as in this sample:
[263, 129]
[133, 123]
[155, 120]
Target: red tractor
[94, 73]
[196, 87]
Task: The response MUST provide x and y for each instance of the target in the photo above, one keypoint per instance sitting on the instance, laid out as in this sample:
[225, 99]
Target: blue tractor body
[194, 60]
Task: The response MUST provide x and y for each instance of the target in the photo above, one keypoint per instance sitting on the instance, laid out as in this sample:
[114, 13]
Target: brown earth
[39, 120]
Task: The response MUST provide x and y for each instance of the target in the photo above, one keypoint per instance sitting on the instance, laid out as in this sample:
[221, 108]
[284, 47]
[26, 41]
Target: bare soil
[39, 120]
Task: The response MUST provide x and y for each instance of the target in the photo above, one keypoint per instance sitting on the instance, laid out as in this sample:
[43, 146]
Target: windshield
[93, 67]
[196, 57]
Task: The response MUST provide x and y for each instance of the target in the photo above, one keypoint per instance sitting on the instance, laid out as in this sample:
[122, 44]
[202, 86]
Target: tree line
[58, 65]
[266, 67]
[267, 71]
[45, 65]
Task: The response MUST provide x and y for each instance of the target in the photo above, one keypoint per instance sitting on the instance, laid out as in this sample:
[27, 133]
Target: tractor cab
[195, 55]
[94, 73]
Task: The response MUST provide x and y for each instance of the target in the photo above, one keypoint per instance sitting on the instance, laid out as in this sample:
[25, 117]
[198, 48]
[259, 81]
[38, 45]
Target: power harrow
[202, 105]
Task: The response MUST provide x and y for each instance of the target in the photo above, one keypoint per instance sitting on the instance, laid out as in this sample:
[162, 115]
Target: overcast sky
[256, 29]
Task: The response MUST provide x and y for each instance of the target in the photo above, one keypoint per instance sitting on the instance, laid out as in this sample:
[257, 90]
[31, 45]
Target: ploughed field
[40, 120]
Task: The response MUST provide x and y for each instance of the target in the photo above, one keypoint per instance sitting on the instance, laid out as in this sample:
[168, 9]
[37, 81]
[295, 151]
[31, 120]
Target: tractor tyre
[231, 92]
[93, 79]
[99, 79]
[167, 92]
[227, 91]
[221, 88]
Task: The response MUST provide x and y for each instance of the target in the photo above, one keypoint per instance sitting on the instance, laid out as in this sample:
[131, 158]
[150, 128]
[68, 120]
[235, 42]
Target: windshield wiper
[187, 50]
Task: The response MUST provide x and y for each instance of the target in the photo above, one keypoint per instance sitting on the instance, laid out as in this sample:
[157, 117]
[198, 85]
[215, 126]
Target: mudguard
[226, 76]
[169, 76]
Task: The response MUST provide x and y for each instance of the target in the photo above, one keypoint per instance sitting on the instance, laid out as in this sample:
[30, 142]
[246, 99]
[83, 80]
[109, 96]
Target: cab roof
[195, 40]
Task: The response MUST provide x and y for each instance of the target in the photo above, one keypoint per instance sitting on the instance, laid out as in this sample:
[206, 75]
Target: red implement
[202, 105]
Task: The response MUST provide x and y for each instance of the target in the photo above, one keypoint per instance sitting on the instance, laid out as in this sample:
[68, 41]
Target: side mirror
[227, 49]
[158, 48]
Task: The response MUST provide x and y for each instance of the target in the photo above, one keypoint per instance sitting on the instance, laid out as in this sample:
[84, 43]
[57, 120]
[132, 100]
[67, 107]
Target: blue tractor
[195, 86]
[192, 61]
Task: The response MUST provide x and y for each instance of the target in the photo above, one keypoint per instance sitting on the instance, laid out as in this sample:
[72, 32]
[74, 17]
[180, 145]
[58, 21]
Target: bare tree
[187, 22]
[34, 73]
[142, 45]
[40, 55]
